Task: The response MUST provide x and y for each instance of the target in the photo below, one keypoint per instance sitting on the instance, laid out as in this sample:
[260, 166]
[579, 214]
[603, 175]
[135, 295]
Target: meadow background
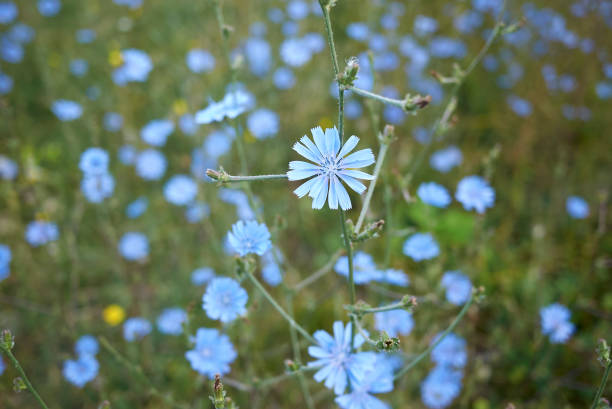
[533, 119]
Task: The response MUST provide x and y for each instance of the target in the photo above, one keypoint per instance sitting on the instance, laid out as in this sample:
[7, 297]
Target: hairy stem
[319, 273]
[602, 386]
[23, 375]
[366, 203]
[295, 345]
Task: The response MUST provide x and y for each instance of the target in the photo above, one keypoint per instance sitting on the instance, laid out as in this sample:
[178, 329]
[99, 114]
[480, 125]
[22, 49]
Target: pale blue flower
[434, 194]
[41, 232]
[358, 31]
[445, 47]
[127, 154]
[258, 54]
[171, 320]
[352, 109]
[81, 371]
[10, 51]
[364, 268]
[85, 36]
[2, 366]
[188, 124]
[240, 200]
[295, 52]
[196, 211]
[219, 142]
[555, 320]
[458, 287]
[394, 322]
[202, 275]
[136, 328]
[150, 164]
[134, 246]
[520, 106]
[249, 237]
[440, 387]
[314, 41]
[394, 277]
[232, 105]
[270, 270]
[135, 68]
[224, 299]
[424, 25]
[94, 161]
[199, 60]
[137, 208]
[577, 207]
[263, 123]
[79, 67]
[451, 351]
[8, 168]
[378, 379]
[338, 364]
[332, 163]
[157, 131]
[133, 4]
[446, 159]
[297, 9]
[468, 21]
[180, 190]
[284, 78]
[96, 188]
[5, 260]
[212, 353]
[66, 110]
[8, 12]
[474, 192]
[86, 345]
[113, 121]
[6, 84]
[21, 33]
[421, 246]
[276, 15]
[49, 8]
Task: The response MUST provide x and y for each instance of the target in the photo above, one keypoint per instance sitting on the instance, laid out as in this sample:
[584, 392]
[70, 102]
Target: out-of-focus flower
[199, 60]
[440, 387]
[555, 320]
[224, 299]
[364, 268]
[577, 207]
[171, 320]
[113, 314]
[474, 192]
[41, 232]
[136, 328]
[81, 371]
[212, 353]
[263, 123]
[202, 275]
[458, 287]
[150, 164]
[135, 68]
[446, 159]
[421, 246]
[66, 110]
[134, 246]
[157, 131]
[394, 322]
[180, 190]
[249, 237]
[434, 194]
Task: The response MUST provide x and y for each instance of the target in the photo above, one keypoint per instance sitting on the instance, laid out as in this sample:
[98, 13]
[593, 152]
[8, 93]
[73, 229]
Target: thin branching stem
[366, 203]
[602, 385]
[390, 101]
[319, 273]
[23, 375]
[447, 331]
[400, 305]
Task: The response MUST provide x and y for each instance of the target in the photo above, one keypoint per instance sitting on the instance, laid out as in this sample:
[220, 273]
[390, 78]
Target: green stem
[330, 38]
[602, 386]
[319, 273]
[366, 203]
[447, 331]
[390, 101]
[226, 178]
[395, 306]
[349, 254]
[295, 345]
[23, 375]
[274, 380]
[280, 309]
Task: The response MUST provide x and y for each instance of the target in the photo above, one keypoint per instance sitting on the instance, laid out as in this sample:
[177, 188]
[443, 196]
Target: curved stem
[390, 101]
[447, 331]
[319, 273]
[23, 375]
[602, 386]
[366, 203]
[280, 309]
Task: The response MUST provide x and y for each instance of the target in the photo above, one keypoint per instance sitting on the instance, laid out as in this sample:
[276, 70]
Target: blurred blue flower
[127, 154]
[232, 105]
[290, 28]
[8, 168]
[446, 159]
[180, 190]
[135, 68]
[394, 322]
[79, 67]
[8, 12]
[96, 188]
[393, 277]
[364, 268]
[85, 36]
[137, 208]
[6, 84]
[136, 328]
[249, 237]
[577, 207]
[358, 31]
[421, 135]
[555, 320]
[441, 386]
[270, 270]
[490, 63]
[134, 246]
[94, 161]
[378, 379]
[352, 109]
[240, 200]
[421, 246]
[295, 52]
[389, 22]
[202, 275]
[314, 41]
[378, 43]
[113, 121]
[473, 192]
[2, 366]
[171, 320]
[258, 29]
[224, 299]
[196, 211]
[199, 60]
[187, 124]
[21, 33]
[93, 92]
[451, 351]
[332, 163]
[49, 8]
[212, 353]
[603, 90]
[297, 9]
[338, 364]
[258, 54]
[150, 164]
[445, 47]
[219, 142]
[467, 22]
[66, 110]
[263, 123]
[10, 51]
[434, 194]
[491, 6]
[81, 371]
[5, 260]
[275, 15]
[40, 232]
[458, 287]
[157, 131]
[86, 345]
[424, 25]
[520, 106]
[133, 4]
[284, 78]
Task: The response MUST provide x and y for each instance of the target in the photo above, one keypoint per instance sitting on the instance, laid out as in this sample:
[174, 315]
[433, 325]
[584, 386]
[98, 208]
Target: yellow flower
[113, 314]
[179, 107]
[115, 58]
